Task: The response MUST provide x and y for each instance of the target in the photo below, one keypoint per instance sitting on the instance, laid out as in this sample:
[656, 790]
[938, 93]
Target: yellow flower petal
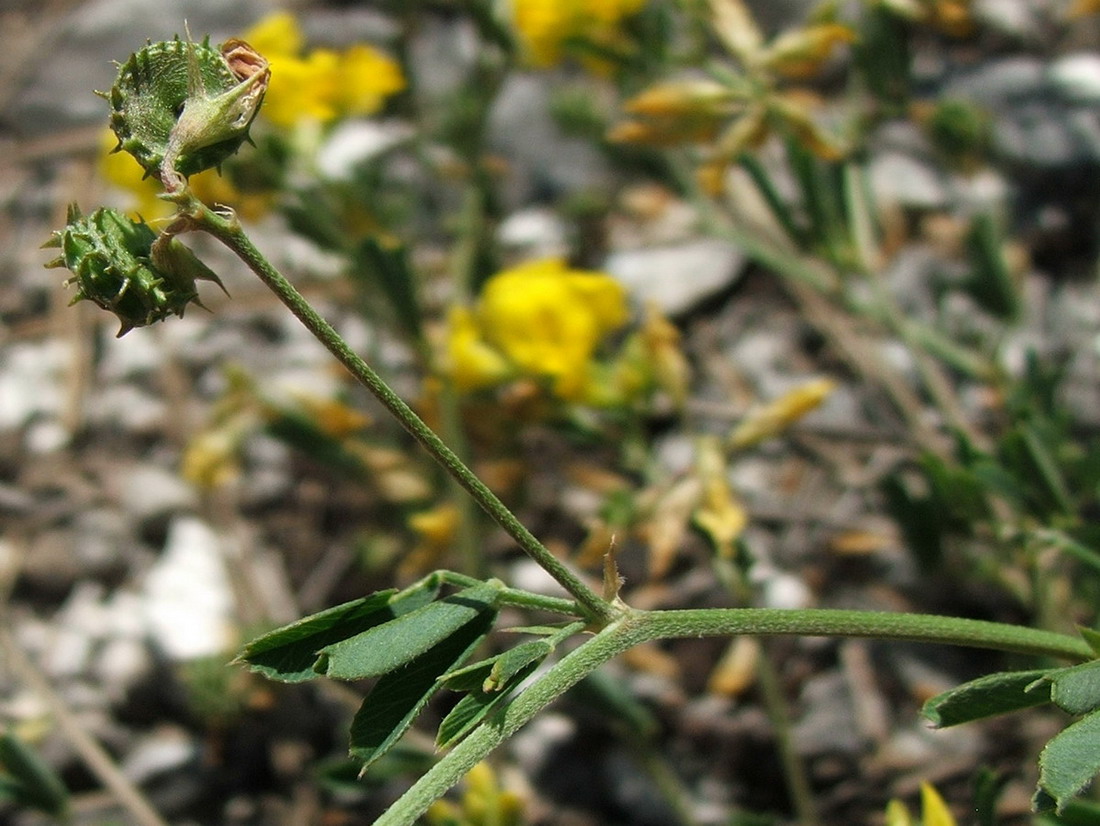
[934, 811]
[548, 320]
[473, 364]
[366, 78]
[276, 35]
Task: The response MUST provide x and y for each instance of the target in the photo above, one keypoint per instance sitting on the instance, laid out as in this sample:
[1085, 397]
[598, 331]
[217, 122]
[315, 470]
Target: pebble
[679, 277]
[187, 598]
[150, 492]
[905, 180]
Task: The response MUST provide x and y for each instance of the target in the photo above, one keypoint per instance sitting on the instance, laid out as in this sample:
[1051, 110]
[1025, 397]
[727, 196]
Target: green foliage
[1071, 759]
[988, 696]
[26, 780]
[290, 654]
[396, 699]
[1026, 483]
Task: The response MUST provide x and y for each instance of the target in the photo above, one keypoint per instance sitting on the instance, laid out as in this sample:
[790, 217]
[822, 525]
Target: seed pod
[180, 107]
[114, 265]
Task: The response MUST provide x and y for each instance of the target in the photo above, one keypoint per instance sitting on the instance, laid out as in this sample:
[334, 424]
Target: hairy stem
[229, 232]
[642, 626]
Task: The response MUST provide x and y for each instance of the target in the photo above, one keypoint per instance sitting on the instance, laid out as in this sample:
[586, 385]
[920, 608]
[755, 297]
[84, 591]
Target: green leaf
[1092, 637]
[991, 282]
[1076, 690]
[28, 780]
[987, 696]
[515, 660]
[289, 653]
[1075, 813]
[388, 267]
[988, 786]
[399, 696]
[472, 709]
[386, 647]
[469, 677]
[1069, 762]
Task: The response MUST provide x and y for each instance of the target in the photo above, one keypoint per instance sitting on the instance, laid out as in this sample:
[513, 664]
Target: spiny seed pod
[115, 265]
[180, 107]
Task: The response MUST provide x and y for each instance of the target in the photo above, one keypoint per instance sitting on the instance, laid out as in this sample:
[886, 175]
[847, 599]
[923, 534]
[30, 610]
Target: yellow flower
[483, 802]
[539, 319]
[321, 85]
[473, 363]
[276, 35]
[216, 189]
[545, 26]
[303, 89]
[548, 320]
[367, 78]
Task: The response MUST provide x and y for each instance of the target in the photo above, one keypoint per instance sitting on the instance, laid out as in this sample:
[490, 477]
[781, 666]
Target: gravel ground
[126, 590]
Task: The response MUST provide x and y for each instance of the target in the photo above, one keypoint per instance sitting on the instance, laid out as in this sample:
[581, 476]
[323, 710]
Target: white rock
[188, 600]
[165, 750]
[786, 591]
[78, 626]
[355, 141]
[120, 663]
[677, 277]
[535, 233]
[149, 491]
[1077, 76]
[899, 178]
[127, 407]
[30, 381]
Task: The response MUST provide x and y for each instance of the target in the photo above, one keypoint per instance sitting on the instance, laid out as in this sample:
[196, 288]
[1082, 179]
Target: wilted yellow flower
[1082, 8]
[539, 319]
[751, 101]
[323, 84]
[773, 418]
[719, 514]
[801, 52]
[652, 359]
[677, 111]
[546, 26]
[952, 17]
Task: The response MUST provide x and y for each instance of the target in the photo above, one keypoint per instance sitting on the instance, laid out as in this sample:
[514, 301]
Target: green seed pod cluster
[180, 107]
[120, 265]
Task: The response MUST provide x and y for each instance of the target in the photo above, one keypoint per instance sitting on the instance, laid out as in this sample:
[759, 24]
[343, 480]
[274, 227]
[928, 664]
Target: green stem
[828, 622]
[643, 626]
[514, 596]
[798, 784]
[229, 232]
